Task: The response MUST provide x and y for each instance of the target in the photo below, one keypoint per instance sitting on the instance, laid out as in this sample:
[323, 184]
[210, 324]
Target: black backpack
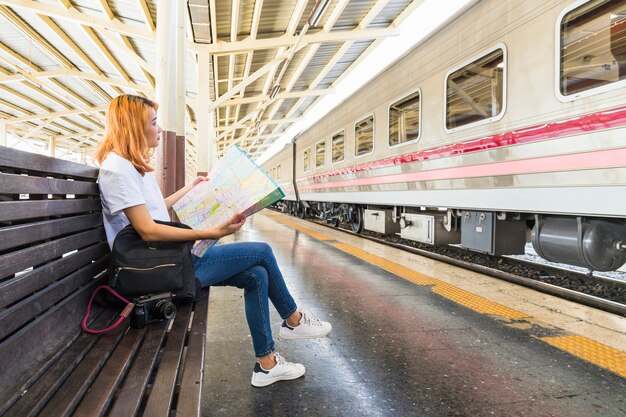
[141, 268]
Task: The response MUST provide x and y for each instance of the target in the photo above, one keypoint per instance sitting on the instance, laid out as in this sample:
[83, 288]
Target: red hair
[125, 131]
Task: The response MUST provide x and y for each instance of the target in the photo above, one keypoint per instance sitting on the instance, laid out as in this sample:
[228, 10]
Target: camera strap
[129, 307]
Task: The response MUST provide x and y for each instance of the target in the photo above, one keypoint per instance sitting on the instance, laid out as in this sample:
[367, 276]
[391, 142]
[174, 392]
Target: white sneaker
[310, 327]
[282, 371]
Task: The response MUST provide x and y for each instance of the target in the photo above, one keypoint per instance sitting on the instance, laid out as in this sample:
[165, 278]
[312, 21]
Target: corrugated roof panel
[16, 41]
[88, 47]
[354, 13]
[304, 106]
[45, 32]
[324, 54]
[390, 12]
[81, 88]
[28, 90]
[344, 63]
[128, 11]
[223, 19]
[275, 17]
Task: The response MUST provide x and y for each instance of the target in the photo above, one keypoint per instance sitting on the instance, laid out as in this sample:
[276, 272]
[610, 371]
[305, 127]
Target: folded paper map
[236, 185]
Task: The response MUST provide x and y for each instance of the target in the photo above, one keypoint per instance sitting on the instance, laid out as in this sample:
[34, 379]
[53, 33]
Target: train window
[279, 172]
[404, 120]
[592, 52]
[364, 136]
[307, 159]
[475, 92]
[320, 154]
[338, 146]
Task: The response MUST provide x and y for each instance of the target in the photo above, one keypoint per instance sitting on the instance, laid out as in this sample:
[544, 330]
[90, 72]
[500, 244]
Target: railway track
[599, 292]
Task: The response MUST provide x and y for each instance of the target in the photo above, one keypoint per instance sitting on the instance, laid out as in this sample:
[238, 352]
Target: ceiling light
[274, 91]
[318, 11]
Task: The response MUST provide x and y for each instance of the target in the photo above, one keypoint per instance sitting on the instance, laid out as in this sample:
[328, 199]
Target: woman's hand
[231, 225]
[198, 180]
[169, 201]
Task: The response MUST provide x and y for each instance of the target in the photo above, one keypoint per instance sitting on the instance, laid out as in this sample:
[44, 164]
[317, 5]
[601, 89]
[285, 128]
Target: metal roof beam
[8, 78]
[280, 96]
[236, 89]
[54, 115]
[76, 16]
[266, 122]
[146, 12]
[59, 89]
[74, 47]
[246, 45]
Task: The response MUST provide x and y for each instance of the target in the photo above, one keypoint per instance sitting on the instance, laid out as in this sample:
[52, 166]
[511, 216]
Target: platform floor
[401, 348]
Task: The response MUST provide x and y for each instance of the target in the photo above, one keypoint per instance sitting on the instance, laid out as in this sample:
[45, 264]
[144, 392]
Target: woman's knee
[257, 278]
[264, 249]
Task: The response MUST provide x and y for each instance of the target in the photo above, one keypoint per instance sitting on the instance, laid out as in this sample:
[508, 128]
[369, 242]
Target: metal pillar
[180, 95]
[52, 146]
[203, 121]
[167, 18]
[3, 132]
[212, 154]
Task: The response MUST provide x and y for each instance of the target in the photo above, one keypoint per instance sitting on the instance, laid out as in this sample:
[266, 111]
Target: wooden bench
[53, 253]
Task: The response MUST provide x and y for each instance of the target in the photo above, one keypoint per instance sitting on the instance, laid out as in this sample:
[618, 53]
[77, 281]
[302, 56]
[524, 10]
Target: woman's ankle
[294, 319]
[267, 362]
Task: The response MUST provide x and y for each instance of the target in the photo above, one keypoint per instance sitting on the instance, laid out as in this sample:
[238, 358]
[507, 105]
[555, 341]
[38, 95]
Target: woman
[130, 194]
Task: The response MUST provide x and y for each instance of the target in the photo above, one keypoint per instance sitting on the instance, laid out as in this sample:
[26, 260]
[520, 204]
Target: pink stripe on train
[588, 160]
[585, 123]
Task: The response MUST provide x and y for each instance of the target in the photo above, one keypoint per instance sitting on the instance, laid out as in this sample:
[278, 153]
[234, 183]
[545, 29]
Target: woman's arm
[151, 231]
[169, 201]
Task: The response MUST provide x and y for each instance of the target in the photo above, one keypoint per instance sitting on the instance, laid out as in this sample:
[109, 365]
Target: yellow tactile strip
[387, 265]
[465, 298]
[602, 355]
[306, 230]
[476, 303]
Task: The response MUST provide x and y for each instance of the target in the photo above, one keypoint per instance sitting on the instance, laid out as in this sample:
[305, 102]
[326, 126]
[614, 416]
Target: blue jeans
[251, 266]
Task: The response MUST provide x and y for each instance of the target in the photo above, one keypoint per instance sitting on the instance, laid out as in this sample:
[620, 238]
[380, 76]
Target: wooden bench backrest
[52, 245]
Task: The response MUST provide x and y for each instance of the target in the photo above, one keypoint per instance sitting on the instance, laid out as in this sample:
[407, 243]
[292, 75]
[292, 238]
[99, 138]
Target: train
[505, 127]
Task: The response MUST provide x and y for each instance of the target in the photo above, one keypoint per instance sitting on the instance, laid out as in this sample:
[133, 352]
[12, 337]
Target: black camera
[151, 308]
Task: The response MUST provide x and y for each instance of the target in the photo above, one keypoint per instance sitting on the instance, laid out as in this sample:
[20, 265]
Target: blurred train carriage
[508, 120]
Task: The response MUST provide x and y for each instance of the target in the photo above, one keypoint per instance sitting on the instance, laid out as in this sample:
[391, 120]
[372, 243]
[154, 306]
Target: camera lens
[163, 310]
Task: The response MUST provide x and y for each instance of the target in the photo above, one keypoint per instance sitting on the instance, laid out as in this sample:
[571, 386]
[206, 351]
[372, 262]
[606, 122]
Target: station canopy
[62, 61]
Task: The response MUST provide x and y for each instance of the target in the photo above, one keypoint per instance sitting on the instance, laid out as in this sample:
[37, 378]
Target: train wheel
[302, 212]
[357, 219]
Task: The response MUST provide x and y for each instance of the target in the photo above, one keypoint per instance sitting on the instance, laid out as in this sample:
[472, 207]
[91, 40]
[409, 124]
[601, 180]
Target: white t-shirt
[121, 186]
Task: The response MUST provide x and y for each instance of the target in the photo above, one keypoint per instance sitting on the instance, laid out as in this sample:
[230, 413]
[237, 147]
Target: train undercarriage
[598, 244]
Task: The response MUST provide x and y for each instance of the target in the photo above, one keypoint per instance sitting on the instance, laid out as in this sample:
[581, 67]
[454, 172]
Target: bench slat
[20, 184]
[21, 313]
[33, 209]
[26, 161]
[67, 397]
[14, 236]
[20, 366]
[100, 394]
[132, 391]
[31, 403]
[162, 392]
[190, 394]
[19, 287]
[36, 255]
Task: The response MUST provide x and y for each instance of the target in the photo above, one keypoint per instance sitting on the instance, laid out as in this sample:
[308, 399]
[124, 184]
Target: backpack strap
[129, 307]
